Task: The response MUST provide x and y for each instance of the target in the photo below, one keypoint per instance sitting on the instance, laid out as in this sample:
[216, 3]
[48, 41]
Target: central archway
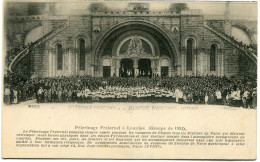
[167, 46]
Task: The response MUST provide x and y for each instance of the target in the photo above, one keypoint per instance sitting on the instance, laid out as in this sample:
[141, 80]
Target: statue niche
[135, 46]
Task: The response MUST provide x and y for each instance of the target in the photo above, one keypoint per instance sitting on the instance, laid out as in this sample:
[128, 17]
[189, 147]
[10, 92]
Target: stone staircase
[232, 41]
[35, 44]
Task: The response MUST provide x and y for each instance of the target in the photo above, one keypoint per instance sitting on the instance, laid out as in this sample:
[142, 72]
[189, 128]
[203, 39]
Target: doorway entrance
[144, 66]
[106, 67]
[106, 71]
[126, 68]
[164, 71]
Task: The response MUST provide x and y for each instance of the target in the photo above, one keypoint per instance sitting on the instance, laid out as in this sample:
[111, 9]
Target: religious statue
[135, 46]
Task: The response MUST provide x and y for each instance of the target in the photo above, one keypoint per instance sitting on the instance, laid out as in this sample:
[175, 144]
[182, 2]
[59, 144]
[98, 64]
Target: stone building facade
[131, 42]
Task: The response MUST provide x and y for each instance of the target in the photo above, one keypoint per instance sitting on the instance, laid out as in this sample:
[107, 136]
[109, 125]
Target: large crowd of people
[238, 92]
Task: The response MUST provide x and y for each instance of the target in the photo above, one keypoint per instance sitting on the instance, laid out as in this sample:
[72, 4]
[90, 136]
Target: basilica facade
[135, 41]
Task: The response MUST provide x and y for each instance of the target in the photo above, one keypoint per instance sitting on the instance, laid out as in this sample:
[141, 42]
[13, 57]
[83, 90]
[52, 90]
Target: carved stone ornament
[96, 29]
[135, 47]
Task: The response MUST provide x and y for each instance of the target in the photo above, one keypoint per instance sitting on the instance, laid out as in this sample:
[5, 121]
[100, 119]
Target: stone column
[205, 60]
[183, 62]
[54, 61]
[69, 62]
[208, 62]
[183, 65]
[153, 66]
[222, 63]
[136, 70]
[112, 67]
[158, 67]
[117, 67]
[50, 63]
[63, 63]
[200, 62]
[93, 70]
[218, 64]
[76, 62]
[195, 63]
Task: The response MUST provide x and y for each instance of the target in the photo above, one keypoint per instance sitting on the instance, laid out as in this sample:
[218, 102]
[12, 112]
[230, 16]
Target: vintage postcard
[129, 79]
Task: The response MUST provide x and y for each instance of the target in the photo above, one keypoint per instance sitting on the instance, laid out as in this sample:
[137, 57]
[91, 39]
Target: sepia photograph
[129, 79]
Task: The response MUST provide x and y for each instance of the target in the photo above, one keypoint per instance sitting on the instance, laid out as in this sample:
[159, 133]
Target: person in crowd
[39, 95]
[49, 93]
[245, 98]
[193, 89]
[59, 95]
[254, 99]
[206, 99]
[45, 95]
[237, 97]
[227, 99]
[218, 97]
[7, 95]
[15, 96]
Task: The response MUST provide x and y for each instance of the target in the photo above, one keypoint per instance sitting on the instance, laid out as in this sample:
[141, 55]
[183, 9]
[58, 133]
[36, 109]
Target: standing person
[7, 95]
[39, 95]
[82, 95]
[237, 98]
[254, 98]
[219, 97]
[181, 96]
[74, 95]
[245, 98]
[86, 94]
[78, 95]
[45, 95]
[177, 92]
[53, 95]
[24, 98]
[211, 98]
[65, 95]
[190, 97]
[129, 94]
[70, 95]
[49, 95]
[185, 97]
[206, 99]
[228, 99]
[15, 97]
[59, 95]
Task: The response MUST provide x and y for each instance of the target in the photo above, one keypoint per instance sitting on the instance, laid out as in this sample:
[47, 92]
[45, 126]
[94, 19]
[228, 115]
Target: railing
[235, 43]
[35, 44]
[18, 57]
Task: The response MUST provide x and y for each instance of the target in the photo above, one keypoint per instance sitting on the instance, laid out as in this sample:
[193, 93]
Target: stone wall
[93, 27]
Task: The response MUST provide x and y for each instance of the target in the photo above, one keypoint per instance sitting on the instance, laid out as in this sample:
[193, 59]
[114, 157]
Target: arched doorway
[106, 67]
[164, 67]
[144, 66]
[126, 68]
